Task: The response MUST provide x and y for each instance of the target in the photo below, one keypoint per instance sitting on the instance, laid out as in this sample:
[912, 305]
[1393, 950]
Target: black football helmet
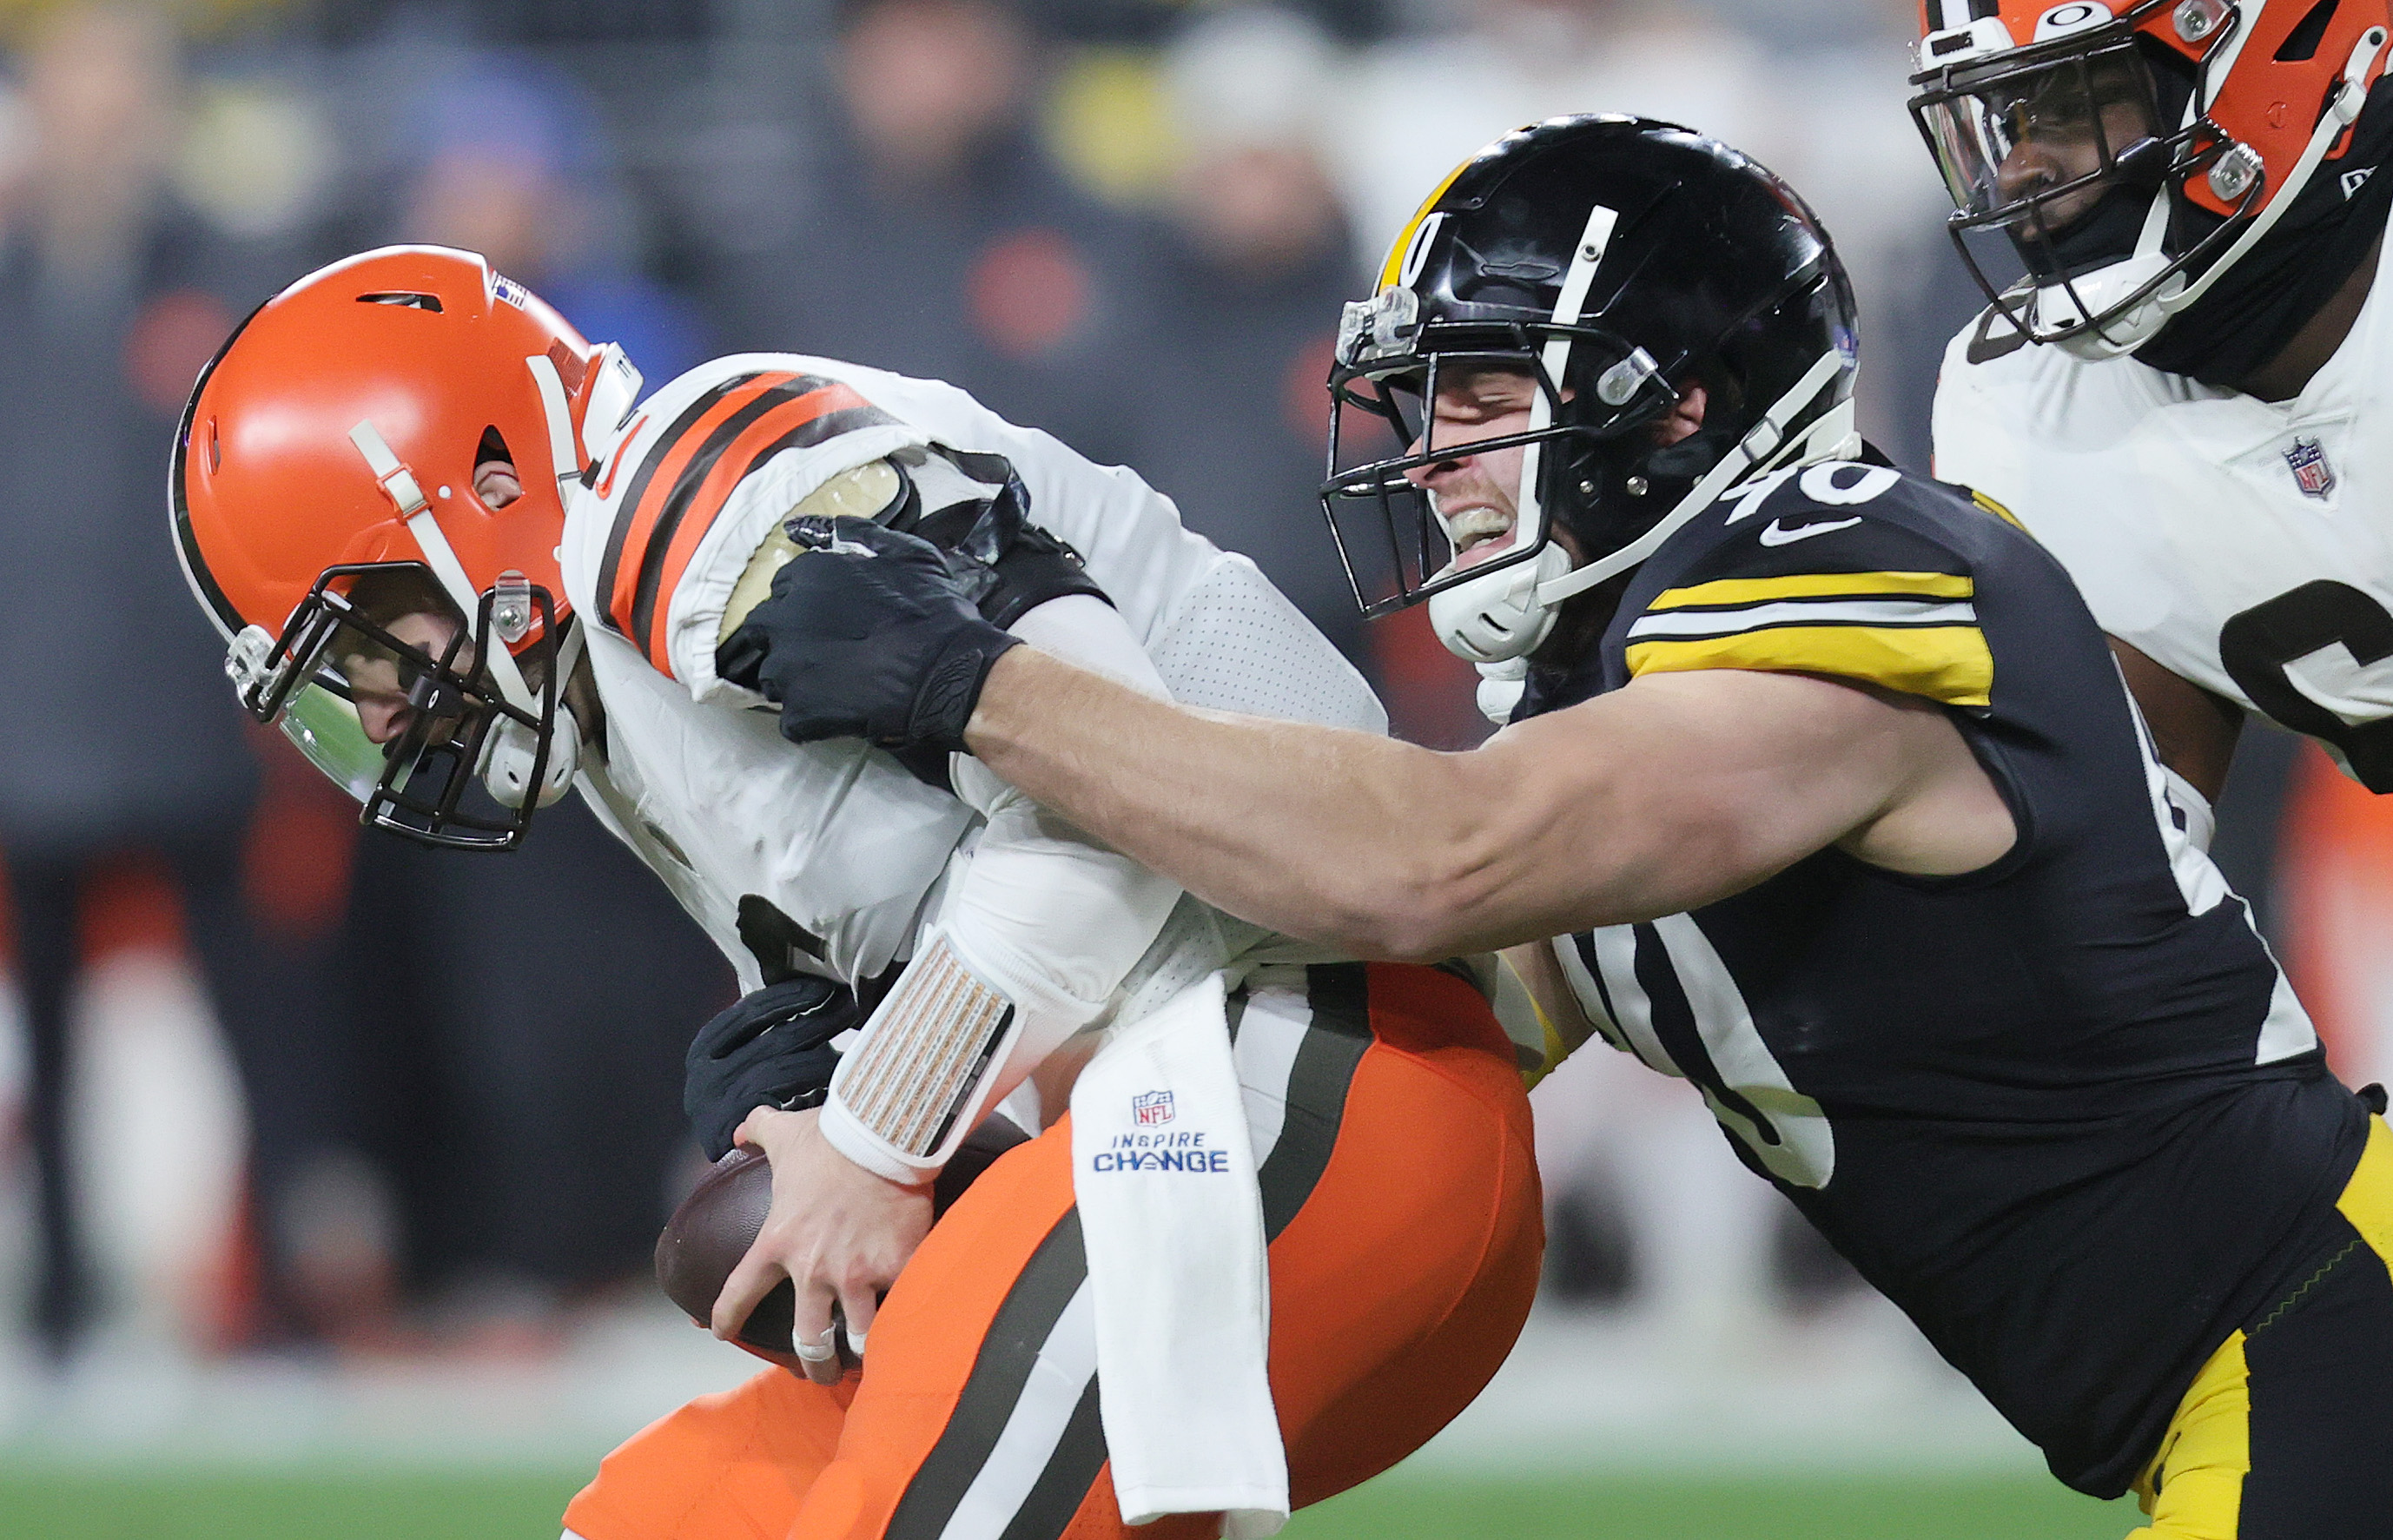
[1616, 260]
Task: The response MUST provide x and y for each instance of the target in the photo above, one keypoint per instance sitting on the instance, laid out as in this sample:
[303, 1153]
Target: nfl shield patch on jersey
[2306, 460]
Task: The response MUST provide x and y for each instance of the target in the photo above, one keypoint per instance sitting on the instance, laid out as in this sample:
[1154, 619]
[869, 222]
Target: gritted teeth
[1476, 526]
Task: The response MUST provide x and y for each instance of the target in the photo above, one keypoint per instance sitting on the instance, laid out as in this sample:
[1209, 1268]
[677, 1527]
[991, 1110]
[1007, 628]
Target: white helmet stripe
[398, 482]
[562, 460]
[1529, 512]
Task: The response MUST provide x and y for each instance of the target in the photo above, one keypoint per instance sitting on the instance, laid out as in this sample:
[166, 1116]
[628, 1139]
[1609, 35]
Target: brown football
[715, 1225]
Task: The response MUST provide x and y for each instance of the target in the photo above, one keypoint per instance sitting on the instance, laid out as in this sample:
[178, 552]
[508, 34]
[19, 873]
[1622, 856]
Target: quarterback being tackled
[467, 567]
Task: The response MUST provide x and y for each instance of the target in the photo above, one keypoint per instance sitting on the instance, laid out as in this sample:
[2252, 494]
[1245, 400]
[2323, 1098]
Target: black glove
[771, 1049]
[867, 634]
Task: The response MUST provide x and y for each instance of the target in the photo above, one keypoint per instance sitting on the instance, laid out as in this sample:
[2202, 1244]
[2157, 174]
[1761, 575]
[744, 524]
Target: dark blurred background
[427, 1103]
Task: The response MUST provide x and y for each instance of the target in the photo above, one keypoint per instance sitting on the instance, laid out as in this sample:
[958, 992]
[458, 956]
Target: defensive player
[465, 568]
[1827, 783]
[2184, 398]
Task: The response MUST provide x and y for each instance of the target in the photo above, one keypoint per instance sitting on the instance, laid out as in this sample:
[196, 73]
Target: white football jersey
[832, 858]
[2244, 545]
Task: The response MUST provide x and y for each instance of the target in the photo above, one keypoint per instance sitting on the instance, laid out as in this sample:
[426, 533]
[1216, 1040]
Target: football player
[466, 568]
[2183, 398]
[1826, 782]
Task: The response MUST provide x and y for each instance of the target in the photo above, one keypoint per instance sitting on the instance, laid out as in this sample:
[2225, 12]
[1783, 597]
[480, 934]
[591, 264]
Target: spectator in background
[1250, 278]
[904, 214]
[120, 739]
[507, 160]
[527, 1015]
[1419, 105]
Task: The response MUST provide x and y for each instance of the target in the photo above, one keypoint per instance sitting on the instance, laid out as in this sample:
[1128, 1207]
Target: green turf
[398, 1505]
[1747, 1507]
[411, 1505]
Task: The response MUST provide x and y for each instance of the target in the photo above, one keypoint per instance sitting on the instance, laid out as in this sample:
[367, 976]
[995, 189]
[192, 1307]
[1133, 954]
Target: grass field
[54, 1505]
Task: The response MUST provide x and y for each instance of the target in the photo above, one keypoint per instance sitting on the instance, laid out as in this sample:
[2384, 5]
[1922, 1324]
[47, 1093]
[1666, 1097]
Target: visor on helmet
[2067, 158]
[2032, 148]
[341, 649]
[1397, 545]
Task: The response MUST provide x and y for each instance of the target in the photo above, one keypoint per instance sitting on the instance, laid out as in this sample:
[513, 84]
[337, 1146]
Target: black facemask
[2251, 313]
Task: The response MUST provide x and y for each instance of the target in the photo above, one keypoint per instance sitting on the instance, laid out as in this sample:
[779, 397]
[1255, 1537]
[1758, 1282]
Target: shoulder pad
[721, 458]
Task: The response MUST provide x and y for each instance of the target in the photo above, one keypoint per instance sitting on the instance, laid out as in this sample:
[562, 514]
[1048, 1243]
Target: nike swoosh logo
[1776, 533]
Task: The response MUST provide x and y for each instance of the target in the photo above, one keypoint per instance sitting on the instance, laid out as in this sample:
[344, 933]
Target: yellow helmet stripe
[1394, 263]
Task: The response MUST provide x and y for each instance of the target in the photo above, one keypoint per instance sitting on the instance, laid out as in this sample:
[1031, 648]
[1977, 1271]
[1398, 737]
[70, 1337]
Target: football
[718, 1222]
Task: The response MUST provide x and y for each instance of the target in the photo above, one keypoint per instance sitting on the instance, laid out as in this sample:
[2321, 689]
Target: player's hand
[867, 634]
[837, 1232]
[772, 1049]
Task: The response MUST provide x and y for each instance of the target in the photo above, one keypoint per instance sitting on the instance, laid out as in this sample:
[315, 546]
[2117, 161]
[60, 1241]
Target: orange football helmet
[323, 485]
[2177, 133]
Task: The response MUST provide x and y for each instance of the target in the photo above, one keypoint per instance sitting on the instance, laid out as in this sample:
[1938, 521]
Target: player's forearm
[1660, 798]
[1333, 836]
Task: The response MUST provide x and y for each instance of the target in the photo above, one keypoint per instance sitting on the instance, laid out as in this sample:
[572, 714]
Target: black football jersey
[2064, 1111]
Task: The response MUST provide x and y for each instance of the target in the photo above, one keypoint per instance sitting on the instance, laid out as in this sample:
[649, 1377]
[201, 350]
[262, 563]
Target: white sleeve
[1043, 922]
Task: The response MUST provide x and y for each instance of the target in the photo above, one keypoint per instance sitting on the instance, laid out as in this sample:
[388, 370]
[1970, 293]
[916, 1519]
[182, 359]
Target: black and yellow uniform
[2063, 1110]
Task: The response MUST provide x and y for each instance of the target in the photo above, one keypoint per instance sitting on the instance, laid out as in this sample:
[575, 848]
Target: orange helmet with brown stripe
[323, 483]
[2133, 152]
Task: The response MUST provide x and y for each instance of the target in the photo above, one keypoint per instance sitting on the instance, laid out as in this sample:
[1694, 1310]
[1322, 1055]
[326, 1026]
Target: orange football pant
[1401, 1196]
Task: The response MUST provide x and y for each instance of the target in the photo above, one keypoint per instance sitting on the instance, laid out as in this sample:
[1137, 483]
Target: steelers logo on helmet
[1587, 271]
[2129, 154]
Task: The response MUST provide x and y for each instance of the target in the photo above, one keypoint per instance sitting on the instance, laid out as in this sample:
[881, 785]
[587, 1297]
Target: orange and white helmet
[2173, 136]
[323, 485]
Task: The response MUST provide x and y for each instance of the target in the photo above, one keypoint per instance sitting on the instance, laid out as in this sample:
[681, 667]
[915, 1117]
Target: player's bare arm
[2194, 731]
[1671, 794]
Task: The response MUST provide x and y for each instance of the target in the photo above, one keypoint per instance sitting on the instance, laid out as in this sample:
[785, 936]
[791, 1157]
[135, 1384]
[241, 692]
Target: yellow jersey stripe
[1990, 505]
[1819, 585]
[1388, 269]
[2206, 1453]
[1946, 663]
[2367, 1198]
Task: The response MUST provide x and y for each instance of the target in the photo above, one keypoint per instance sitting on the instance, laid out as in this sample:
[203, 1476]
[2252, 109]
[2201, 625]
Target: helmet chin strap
[2076, 300]
[513, 750]
[1488, 619]
[1509, 612]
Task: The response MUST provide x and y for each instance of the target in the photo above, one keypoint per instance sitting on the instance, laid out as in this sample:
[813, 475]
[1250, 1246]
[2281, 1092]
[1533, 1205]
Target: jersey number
[1785, 1132]
[2258, 646]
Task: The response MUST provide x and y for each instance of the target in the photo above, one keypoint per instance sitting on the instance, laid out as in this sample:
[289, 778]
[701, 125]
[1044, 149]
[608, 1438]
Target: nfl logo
[2312, 472]
[1151, 1107]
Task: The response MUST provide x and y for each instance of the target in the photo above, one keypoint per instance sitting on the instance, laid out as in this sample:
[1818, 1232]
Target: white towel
[1164, 1172]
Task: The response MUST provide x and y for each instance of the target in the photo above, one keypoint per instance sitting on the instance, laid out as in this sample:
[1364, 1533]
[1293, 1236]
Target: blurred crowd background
[430, 1105]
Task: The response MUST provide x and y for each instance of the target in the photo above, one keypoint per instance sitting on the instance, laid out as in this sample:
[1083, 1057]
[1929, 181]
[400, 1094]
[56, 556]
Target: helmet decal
[2074, 17]
[1416, 253]
[1409, 239]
